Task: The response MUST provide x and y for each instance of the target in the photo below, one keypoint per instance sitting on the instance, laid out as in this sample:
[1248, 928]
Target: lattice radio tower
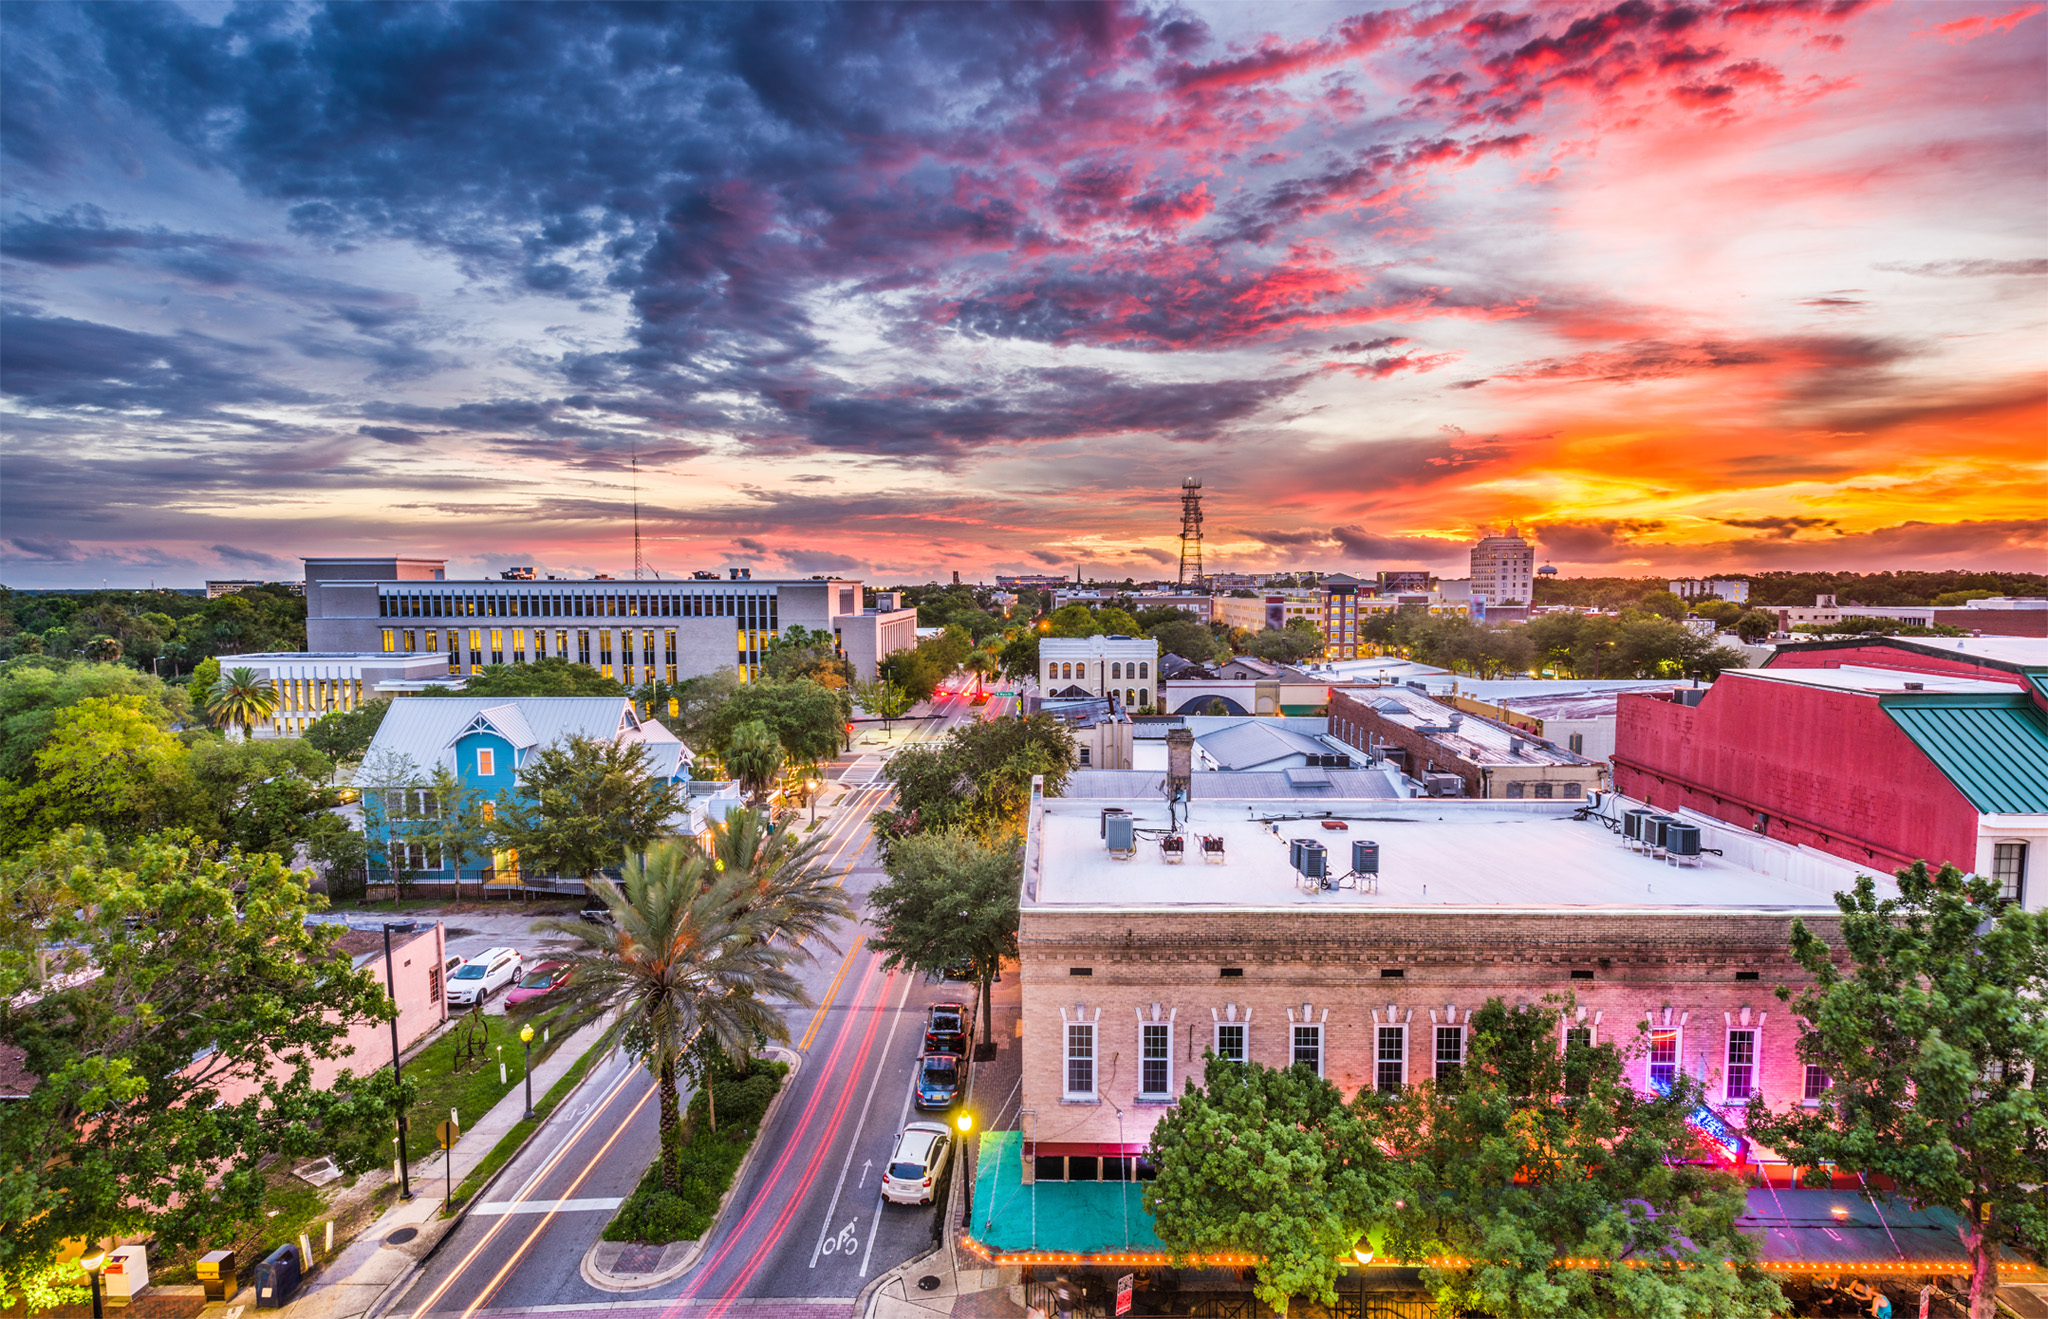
[1190, 531]
[639, 562]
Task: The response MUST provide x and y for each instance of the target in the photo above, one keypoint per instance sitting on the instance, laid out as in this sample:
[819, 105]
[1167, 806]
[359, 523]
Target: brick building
[1428, 737]
[1133, 966]
[1882, 751]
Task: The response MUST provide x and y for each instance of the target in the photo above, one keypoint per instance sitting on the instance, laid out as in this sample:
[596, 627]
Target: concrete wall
[870, 638]
[1829, 768]
[1331, 963]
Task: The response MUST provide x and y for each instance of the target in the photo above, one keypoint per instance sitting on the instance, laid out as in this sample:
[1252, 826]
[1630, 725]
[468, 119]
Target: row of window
[1541, 791]
[407, 640]
[757, 606]
[1391, 1062]
[1141, 669]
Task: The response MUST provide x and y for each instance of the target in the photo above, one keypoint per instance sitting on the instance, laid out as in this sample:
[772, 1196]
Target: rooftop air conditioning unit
[1315, 860]
[1365, 857]
[1632, 823]
[1120, 830]
[1682, 839]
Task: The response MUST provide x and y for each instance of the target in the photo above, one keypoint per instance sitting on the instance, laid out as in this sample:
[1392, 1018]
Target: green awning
[1074, 1218]
[1993, 748]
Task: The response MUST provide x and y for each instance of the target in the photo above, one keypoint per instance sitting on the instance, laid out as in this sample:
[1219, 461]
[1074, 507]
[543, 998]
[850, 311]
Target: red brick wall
[1830, 768]
[1996, 622]
[1351, 720]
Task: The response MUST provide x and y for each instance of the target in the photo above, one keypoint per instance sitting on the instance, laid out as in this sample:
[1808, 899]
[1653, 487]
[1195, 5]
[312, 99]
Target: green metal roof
[1993, 748]
[1086, 1218]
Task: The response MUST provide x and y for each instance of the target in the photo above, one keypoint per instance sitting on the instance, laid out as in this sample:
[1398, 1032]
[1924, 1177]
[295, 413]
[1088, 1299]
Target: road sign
[447, 1133]
[1123, 1293]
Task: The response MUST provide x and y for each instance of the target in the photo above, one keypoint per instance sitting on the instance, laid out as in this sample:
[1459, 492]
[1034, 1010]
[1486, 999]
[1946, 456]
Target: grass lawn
[450, 1073]
[503, 1151]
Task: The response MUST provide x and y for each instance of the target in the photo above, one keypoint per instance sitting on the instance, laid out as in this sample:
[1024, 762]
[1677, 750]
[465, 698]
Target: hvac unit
[1632, 823]
[1365, 857]
[1315, 860]
[1120, 830]
[1294, 846]
[1653, 830]
[1107, 812]
[1682, 839]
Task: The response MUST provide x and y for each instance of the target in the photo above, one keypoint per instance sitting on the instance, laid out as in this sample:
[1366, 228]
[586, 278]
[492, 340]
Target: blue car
[938, 1081]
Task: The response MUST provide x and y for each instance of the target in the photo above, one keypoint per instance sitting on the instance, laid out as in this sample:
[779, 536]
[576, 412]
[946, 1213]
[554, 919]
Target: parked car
[914, 1167]
[483, 975]
[938, 1080]
[945, 1029]
[544, 977]
[596, 911]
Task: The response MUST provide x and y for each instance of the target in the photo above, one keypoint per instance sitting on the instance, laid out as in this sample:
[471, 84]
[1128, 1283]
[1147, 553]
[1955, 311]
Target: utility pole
[1190, 531]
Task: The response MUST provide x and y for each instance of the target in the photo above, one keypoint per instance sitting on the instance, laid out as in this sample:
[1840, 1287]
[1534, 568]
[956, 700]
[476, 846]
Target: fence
[1091, 1294]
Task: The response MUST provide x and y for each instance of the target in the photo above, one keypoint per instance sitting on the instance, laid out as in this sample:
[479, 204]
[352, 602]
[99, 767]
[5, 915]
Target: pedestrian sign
[1123, 1293]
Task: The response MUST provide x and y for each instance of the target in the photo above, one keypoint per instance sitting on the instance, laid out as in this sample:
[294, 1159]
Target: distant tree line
[140, 628]
[1946, 588]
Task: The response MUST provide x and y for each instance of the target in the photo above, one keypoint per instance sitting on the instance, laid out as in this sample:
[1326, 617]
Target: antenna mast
[639, 564]
[1190, 531]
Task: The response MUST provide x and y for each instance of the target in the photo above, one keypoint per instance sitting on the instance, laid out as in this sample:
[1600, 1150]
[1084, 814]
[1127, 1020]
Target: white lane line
[547, 1206]
[888, 1052]
[876, 1230]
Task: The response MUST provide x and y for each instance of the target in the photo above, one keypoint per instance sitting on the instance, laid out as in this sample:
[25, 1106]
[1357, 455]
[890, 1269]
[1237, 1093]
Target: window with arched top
[1130, 697]
[1144, 669]
[1116, 670]
[1144, 696]
[1080, 670]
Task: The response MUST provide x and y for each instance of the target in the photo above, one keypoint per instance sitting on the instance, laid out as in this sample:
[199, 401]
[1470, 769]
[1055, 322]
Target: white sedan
[915, 1166]
[483, 975]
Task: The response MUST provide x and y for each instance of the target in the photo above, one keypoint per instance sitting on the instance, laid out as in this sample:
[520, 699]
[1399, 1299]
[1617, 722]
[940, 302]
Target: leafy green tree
[982, 665]
[754, 756]
[1297, 643]
[1756, 624]
[809, 721]
[1537, 1155]
[1078, 620]
[690, 708]
[259, 796]
[1931, 1022]
[1189, 640]
[460, 822]
[884, 700]
[978, 776]
[1268, 1162]
[242, 698]
[346, 734]
[581, 805]
[792, 894]
[34, 691]
[683, 956]
[171, 1079]
[552, 676]
[951, 899]
[1664, 603]
[107, 764]
[389, 786]
[803, 653]
[1019, 656]
[103, 649]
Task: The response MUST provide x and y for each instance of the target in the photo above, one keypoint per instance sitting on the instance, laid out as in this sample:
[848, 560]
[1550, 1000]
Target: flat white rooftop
[1478, 739]
[1878, 682]
[1435, 855]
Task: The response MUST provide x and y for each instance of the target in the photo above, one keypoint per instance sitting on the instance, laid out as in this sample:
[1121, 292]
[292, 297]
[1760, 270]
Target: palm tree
[241, 698]
[794, 896]
[755, 758]
[981, 664]
[686, 957]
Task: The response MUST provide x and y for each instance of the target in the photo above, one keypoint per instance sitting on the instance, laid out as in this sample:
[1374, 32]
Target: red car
[541, 980]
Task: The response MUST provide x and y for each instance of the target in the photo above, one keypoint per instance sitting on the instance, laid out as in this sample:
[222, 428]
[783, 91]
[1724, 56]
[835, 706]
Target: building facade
[1124, 667]
[1503, 570]
[310, 684]
[1948, 740]
[1338, 600]
[1270, 609]
[1433, 741]
[1733, 589]
[1136, 963]
[634, 632]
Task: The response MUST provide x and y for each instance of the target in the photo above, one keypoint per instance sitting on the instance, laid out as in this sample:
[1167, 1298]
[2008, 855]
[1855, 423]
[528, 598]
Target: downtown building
[632, 631]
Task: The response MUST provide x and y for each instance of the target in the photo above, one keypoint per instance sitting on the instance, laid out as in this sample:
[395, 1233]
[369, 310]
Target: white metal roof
[425, 728]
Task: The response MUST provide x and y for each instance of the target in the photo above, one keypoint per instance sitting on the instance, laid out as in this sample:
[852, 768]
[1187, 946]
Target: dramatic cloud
[924, 289]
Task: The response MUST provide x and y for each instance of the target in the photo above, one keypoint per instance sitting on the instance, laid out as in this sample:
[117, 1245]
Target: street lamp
[92, 1264]
[397, 1071]
[526, 1040]
[965, 1122]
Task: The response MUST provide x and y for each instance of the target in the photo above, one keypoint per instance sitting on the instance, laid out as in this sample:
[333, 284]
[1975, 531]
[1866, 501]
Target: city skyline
[898, 292]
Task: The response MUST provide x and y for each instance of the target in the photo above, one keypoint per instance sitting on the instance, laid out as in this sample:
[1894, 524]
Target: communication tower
[1190, 531]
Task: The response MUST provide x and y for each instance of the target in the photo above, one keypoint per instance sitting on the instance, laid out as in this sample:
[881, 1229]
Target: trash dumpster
[217, 1275]
[277, 1277]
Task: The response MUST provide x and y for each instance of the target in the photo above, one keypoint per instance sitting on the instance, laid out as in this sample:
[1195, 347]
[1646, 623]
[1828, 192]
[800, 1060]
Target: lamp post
[526, 1041]
[92, 1264]
[397, 1071]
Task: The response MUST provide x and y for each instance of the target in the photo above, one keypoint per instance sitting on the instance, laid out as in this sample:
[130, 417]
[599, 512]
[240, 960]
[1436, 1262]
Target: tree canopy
[553, 676]
[581, 805]
[1932, 1031]
[808, 720]
[170, 1079]
[951, 899]
[978, 776]
[346, 734]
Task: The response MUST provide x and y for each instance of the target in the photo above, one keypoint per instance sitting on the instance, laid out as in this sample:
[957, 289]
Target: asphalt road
[808, 1222]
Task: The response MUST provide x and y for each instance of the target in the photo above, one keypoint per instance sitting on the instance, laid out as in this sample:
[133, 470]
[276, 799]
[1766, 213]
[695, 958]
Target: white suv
[482, 975]
[915, 1166]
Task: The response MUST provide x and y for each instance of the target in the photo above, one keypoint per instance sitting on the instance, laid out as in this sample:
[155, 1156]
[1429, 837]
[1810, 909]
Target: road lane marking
[498, 1278]
[901, 1118]
[831, 991]
[803, 1123]
[547, 1206]
[888, 1050]
[627, 1075]
[774, 1234]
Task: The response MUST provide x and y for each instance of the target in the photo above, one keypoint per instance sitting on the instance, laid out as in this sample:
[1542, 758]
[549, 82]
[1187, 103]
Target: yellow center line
[831, 992]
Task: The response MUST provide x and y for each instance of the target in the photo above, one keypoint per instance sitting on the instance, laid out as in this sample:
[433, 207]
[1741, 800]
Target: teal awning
[1075, 1218]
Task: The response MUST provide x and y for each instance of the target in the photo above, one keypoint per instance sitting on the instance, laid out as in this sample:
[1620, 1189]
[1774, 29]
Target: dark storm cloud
[59, 362]
[255, 558]
[1783, 527]
[1364, 543]
[1593, 541]
[47, 549]
[1285, 539]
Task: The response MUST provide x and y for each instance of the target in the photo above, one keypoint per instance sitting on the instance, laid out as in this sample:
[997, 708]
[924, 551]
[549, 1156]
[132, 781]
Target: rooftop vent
[1516, 745]
[1916, 686]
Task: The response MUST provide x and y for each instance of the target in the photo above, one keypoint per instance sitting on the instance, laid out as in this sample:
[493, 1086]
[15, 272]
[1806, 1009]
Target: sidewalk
[352, 1282]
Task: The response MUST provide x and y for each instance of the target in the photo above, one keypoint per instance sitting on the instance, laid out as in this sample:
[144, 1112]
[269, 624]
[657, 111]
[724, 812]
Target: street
[807, 1224]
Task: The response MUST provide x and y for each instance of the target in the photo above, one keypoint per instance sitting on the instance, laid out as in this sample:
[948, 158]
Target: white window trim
[1216, 1040]
[487, 762]
[1743, 1020]
[1164, 1095]
[1079, 1015]
[1464, 1043]
[1320, 1021]
[1407, 1053]
[1677, 1028]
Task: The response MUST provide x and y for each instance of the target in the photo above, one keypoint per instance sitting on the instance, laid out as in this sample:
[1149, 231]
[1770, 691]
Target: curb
[864, 1303]
[404, 1281]
[604, 1280]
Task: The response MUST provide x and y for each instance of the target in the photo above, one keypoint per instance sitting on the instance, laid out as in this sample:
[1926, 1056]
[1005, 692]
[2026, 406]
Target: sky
[899, 291]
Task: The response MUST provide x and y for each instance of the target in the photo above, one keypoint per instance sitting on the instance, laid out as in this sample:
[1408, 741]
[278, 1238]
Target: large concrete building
[1503, 570]
[1268, 609]
[1123, 668]
[634, 631]
[312, 684]
[1882, 751]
